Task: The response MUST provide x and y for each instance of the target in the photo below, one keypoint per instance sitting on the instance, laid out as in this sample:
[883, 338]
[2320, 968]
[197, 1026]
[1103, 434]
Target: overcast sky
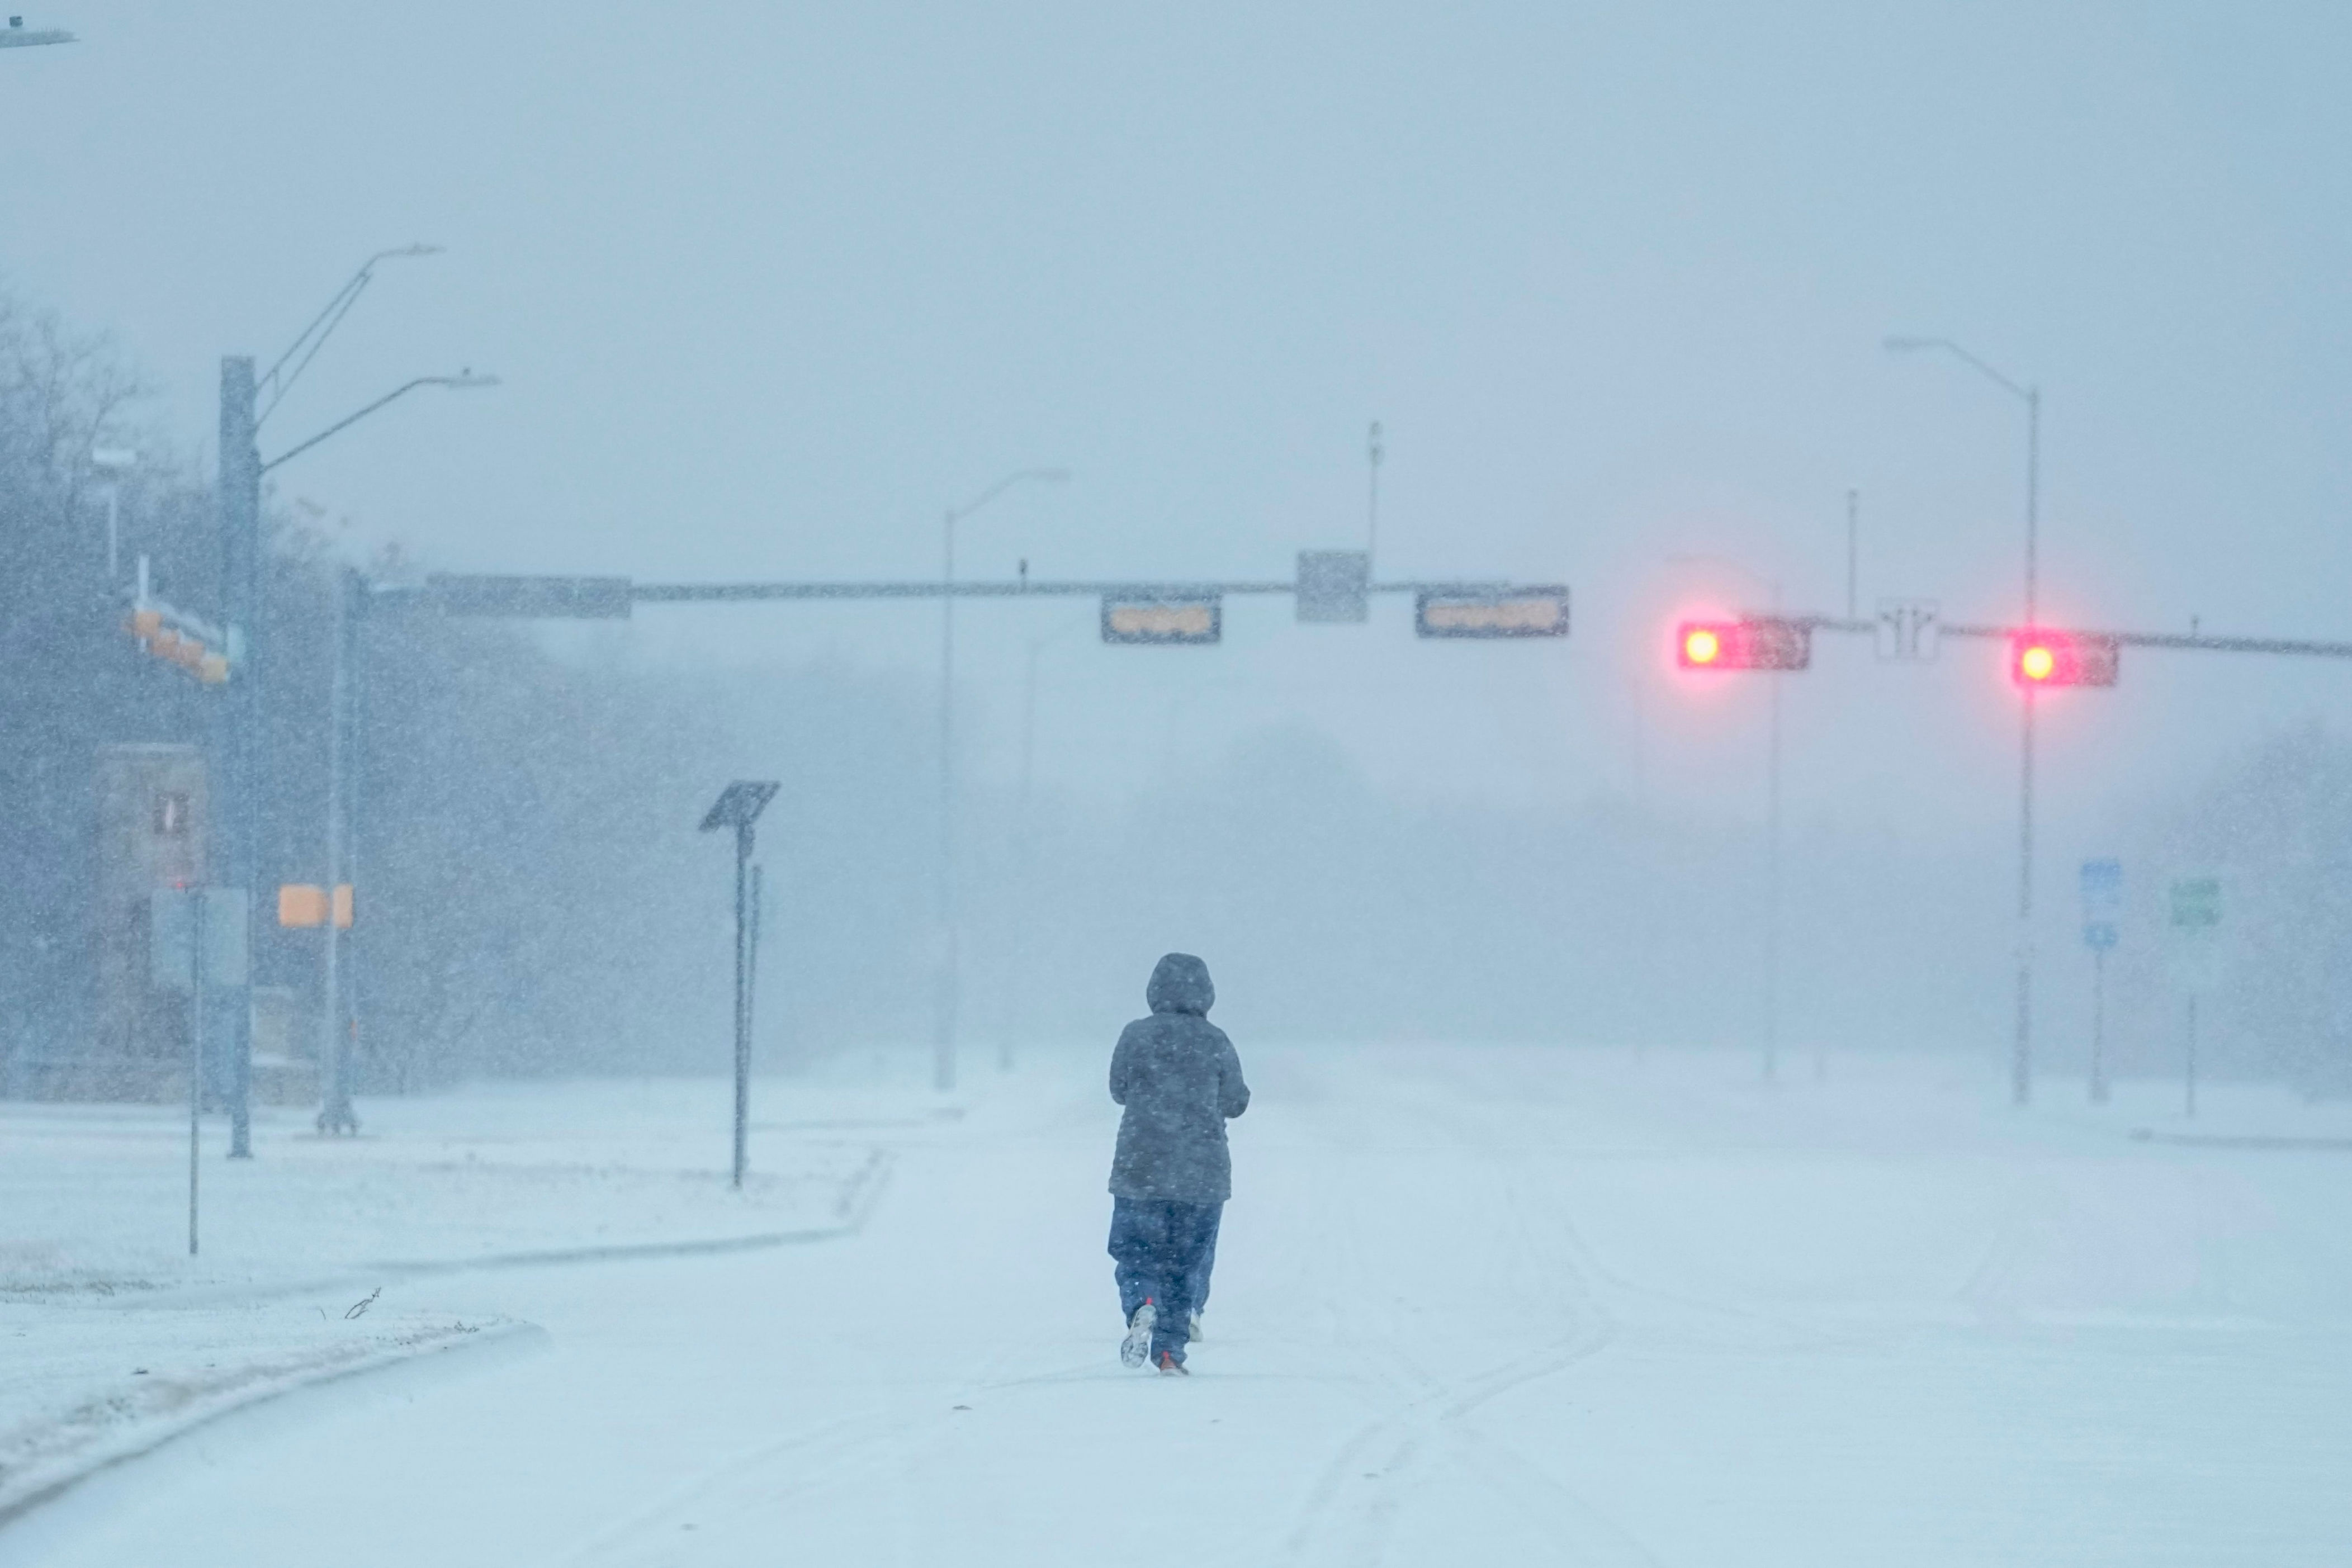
[770, 286]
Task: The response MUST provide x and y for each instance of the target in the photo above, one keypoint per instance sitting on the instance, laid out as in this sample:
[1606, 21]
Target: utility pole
[1373, 452]
[2021, 1065]
[237, 747]
[335, 1114]
[1772, 878]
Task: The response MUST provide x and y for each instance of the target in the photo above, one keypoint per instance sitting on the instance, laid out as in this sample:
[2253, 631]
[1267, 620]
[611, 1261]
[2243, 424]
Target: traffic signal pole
[237, 744]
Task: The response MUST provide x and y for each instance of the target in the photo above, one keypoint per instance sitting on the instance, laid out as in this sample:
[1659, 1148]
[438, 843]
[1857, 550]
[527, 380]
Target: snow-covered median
[114, 1338]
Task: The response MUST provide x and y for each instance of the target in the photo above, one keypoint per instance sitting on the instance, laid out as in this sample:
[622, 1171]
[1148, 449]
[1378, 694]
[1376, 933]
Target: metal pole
[2098, 1026]
[195, 1054]
[113, 534]
[1772, 879]
[1375, 451]
[752, 979]
[2022, 1056]
[943, 1041]
[335, 1112]
[1026, 857]
[354, 799]
[2021, 1064]
[742, 992]
[2191, 1075]
[241, 588]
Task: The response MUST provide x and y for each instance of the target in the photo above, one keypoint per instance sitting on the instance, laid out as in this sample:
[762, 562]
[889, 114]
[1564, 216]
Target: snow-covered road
[1472, 1306]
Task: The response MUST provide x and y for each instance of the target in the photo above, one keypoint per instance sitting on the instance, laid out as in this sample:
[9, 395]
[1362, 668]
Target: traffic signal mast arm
[2038, 655]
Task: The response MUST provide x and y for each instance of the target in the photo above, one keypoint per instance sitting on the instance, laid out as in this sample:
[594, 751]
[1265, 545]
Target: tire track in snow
[1352, 1510]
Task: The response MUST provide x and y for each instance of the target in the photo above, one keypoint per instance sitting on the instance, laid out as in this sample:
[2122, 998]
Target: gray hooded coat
[1180, 1078]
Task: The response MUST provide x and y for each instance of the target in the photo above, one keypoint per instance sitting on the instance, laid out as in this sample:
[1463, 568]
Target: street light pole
[1771, 830]
[944, 1039]
[2020, 1062]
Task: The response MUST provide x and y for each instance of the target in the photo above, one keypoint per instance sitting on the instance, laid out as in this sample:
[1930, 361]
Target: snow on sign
[1170, 619]
[2102, 902]
[1334, 586]
[1491, 613]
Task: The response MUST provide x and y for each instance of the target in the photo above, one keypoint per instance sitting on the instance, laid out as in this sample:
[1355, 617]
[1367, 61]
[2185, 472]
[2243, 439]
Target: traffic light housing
[2044, 658]
[1750, 642]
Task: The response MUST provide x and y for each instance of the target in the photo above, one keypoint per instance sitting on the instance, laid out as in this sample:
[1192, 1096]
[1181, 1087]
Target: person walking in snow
[1179, 1080]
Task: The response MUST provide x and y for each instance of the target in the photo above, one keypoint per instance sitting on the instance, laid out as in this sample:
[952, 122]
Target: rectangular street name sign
[1491, 613]
[2197, 904]
[1189, 618]
[532, 598]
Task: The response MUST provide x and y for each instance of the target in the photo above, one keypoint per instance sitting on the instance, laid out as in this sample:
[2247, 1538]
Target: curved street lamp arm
[1046, 476]
[2015, 388]
[465, 380]
[322, 325]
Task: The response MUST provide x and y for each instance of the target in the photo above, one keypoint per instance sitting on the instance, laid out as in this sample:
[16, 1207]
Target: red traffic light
[2063, 659]
[1754, 643]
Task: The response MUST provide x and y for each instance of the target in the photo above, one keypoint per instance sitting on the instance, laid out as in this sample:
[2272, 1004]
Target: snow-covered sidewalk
[316, 1253]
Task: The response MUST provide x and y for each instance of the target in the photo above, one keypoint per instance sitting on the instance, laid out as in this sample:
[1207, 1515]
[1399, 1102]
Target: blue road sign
[2102, 902]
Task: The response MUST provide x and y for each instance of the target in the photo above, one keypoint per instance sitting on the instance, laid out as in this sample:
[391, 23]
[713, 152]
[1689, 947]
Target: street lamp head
[1902, 344]
[113, 459]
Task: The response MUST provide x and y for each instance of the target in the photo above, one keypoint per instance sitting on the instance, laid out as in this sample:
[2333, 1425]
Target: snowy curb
[45, 1482]
[854, 1207]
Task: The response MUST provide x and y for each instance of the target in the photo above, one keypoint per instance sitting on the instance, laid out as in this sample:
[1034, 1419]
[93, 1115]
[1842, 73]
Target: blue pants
[1163, 1251]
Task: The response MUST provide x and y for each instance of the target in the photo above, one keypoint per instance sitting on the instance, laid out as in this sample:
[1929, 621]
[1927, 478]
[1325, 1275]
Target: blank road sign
[1193, 618]
[1334, 585]
[171, 936]
[1478, 612]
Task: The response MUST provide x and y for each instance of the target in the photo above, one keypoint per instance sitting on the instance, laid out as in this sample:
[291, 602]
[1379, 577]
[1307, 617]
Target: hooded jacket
[1180, 1079]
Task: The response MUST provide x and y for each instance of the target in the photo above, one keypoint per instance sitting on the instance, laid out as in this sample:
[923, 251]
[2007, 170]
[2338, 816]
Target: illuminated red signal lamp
[2063, 659]
[1754, 643]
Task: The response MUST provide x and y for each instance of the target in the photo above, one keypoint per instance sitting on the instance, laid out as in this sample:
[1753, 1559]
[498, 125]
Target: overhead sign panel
[1167, 619]
[1491, 613]
[533, 598]
[1334, 585]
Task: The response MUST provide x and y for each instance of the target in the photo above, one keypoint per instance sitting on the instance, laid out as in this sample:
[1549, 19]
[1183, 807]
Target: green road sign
[2196, 903]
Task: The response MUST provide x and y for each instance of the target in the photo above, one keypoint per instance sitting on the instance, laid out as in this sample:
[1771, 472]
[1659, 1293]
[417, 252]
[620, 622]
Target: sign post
[2103, 905]
[2196, 916]
[737, 807]
[197, 938]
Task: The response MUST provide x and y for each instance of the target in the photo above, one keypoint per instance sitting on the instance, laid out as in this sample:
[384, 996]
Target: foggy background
[770, 287]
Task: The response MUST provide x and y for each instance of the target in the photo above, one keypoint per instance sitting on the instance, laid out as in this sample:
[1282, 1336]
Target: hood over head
[1180, 984]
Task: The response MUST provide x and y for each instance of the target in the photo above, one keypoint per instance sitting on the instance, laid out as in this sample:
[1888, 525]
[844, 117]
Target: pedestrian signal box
[2063, 659]
[1491, 613]
[1191, 618]
[1751, 642]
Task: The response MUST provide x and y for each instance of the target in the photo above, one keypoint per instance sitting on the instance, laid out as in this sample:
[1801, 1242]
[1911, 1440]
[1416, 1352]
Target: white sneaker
[1136, 1348]
[1192, 1330]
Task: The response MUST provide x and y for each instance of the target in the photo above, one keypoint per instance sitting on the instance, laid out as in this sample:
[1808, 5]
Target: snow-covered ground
[311, 1251]
[1472, 1305]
